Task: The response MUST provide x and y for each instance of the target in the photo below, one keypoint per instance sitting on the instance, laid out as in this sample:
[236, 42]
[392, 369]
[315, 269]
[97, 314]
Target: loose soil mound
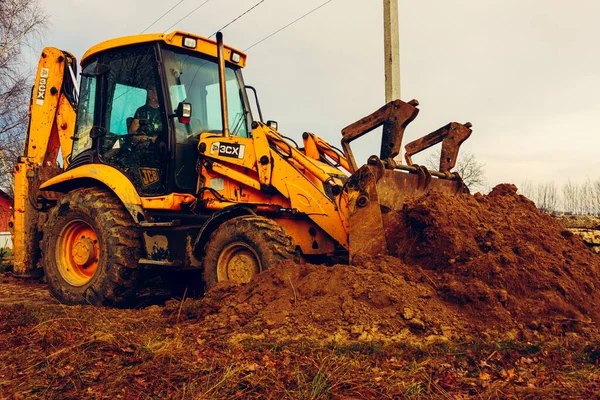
[466, 266]
[498, 257]
[386, 302]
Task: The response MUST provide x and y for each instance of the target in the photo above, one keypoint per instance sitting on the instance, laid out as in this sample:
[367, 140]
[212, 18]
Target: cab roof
[203, 46]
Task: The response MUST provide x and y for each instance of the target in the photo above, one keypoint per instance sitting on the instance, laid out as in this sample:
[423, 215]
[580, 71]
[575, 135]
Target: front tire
[243, 247]
[91, 249]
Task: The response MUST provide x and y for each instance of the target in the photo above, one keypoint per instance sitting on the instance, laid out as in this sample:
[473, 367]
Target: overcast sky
[526, 73]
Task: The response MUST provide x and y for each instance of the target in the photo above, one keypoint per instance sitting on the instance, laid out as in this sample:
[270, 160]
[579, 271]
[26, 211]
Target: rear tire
[90, 249]
[243, 247]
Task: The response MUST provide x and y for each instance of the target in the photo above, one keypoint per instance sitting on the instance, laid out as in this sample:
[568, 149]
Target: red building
[5, 212]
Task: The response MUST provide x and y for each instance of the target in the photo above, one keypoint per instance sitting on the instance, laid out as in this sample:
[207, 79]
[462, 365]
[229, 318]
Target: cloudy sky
[526, 73]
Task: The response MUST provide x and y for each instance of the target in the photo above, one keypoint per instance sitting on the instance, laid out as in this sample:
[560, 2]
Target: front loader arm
[52, 114]
[451, 136]
[394, 117]
[271, 173]
[318, 149]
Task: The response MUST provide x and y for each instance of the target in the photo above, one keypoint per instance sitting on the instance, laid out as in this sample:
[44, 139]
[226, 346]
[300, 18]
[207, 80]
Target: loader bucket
[378, 190]
[375, 197]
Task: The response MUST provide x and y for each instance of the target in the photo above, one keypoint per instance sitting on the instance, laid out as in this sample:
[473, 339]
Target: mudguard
[108, 176]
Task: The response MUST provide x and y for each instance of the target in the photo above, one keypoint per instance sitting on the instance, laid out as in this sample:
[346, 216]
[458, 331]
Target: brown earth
[484, 297]
[17, 291]
[579, 221]
[466, 266]
[586, 227]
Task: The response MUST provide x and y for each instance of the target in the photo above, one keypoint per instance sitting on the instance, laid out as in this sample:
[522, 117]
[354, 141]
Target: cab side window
[85, 111]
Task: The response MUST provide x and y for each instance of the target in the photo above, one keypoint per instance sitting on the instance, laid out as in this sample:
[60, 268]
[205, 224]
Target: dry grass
[89, 352]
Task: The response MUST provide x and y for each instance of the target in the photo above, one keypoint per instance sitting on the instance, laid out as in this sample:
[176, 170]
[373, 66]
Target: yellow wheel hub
[77, 253]
[238, 262]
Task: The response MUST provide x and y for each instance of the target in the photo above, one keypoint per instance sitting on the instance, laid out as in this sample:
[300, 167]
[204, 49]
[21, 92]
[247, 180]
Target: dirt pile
[379, 301]
[497, 253]
[466, 266]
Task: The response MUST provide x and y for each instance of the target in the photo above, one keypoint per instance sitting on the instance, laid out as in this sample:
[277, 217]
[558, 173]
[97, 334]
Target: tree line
[577, 198]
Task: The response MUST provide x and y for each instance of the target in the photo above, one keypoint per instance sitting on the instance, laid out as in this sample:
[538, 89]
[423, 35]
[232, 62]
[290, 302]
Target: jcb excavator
[156, 160]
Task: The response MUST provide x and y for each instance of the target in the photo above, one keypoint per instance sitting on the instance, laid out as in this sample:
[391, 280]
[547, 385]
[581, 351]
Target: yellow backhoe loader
[156, 161]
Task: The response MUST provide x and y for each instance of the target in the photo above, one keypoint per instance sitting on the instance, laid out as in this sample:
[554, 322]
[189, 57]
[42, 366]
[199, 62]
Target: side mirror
[273, 125]
[184, 112]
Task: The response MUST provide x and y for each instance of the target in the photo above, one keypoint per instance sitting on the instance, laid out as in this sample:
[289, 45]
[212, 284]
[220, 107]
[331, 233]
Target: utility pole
[391, 43]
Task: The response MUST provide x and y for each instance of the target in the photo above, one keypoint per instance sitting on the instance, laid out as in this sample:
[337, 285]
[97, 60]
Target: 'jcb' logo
[149, 176]
[41, 92]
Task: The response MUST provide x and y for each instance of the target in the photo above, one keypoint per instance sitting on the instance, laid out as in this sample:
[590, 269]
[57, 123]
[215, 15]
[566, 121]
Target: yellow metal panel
[262, 149]
[212, 149]
[309, 199]
[306, 162]
[171, 202]
[42, 143]
[236, 176]
[300, 230]
[23, 221]
[204, 45]
[109, 176]
[298, 178]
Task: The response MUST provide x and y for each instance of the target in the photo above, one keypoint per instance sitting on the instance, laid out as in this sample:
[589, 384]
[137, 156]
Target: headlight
[189, 42]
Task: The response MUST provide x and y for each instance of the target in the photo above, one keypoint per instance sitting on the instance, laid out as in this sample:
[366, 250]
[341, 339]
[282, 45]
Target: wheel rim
[238, 262]
[77, 253]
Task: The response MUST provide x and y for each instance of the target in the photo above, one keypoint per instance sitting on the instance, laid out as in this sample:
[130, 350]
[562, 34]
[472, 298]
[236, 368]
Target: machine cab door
[131, 124]
[193, 78]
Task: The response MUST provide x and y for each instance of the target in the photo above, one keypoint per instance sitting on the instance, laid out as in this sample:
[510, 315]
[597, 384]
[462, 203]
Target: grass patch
[87, 352]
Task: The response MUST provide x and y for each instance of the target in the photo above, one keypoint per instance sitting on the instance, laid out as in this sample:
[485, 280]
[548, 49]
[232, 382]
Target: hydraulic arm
[52, 112]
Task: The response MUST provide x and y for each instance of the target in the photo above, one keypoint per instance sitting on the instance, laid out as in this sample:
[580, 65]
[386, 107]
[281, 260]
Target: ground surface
[587, 227]
[484, 297]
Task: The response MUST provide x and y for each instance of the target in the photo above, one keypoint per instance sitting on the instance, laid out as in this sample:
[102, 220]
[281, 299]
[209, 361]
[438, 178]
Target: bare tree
[21, 23]
[586, 198]
[596, 196]
[471, 171]
[570, 192]
[546, 197]
[527, 189]
[574, 198]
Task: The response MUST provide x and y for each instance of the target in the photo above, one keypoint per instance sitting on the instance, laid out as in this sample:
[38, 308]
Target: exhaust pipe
[222, 87]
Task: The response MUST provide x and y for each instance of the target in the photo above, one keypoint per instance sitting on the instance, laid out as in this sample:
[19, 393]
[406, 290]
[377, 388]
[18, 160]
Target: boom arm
[317, 148]
[52, 114]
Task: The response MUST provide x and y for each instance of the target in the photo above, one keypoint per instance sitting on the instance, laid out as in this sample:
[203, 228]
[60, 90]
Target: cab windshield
[194, 79]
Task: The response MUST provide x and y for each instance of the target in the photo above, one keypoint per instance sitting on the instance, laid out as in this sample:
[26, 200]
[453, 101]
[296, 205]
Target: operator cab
[129, 97]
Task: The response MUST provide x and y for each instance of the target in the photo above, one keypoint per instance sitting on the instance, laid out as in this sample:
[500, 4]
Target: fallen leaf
[127, 349]
[484, 376]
